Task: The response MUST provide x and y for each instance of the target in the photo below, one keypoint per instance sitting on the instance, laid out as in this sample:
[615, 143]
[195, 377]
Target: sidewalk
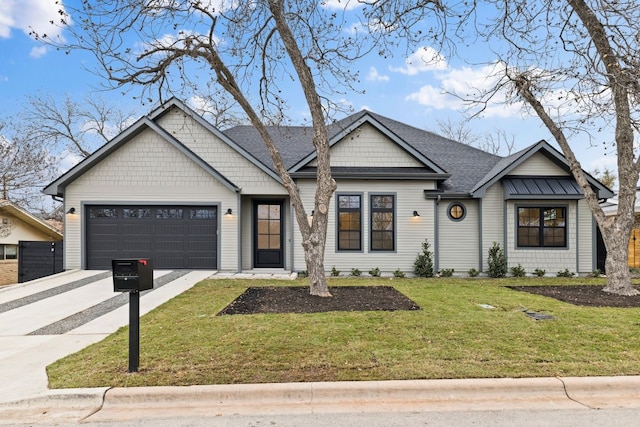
[45, 320]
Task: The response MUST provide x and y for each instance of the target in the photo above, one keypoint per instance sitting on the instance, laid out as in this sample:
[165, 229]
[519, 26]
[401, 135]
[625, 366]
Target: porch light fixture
[312, 212]
[415, 213]
[71, 211]
[229, 212]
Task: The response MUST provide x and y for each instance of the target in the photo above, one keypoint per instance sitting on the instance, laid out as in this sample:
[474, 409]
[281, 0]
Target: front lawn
[455, 335]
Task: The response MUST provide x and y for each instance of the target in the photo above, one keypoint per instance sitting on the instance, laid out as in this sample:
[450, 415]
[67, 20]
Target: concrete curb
[338, 397]
[121, 404]
[604, 392]
[68, 405]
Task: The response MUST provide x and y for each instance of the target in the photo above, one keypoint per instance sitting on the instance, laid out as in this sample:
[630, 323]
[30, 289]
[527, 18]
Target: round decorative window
[456, 211]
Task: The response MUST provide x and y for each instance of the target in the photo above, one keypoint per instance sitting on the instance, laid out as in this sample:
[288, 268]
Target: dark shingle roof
[467, 165]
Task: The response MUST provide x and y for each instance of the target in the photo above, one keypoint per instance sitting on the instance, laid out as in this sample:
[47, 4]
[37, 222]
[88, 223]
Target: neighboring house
[17, 225]
[174, 188]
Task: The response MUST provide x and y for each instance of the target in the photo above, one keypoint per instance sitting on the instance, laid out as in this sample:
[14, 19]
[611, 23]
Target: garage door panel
[173, 236]
[136, 246]
[138, 228]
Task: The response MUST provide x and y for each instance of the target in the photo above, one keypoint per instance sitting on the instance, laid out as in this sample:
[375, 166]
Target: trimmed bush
[423, 265]
[497, 262]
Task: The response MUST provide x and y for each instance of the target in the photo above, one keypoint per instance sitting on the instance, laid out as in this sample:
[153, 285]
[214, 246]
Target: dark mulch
[588, 295]
[297, 299]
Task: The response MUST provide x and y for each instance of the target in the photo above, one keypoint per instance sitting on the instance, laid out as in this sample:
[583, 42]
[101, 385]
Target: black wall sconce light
[229, 212]
[71, 211]
[415, 213]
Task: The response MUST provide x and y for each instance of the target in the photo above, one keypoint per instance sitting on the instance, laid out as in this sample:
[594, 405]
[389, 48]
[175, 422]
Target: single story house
[16, 225]
[175, 188]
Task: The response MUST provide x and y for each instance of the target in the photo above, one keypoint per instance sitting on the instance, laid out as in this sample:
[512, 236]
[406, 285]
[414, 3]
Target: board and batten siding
[551, 260]
[492, 221]
[586, 238]
[538, 164]
[148, 170]
[227, 161]
[410, 231]
[366, 146]
[458, 241]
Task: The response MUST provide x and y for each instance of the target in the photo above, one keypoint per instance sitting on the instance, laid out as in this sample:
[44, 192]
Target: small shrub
[473, 272]
[374, 272]
[595, 273]
[399, 274]
[497, 262]
[518, 271]
[423, 265]
[446, 272]
[334, 271]
[355, 272]
[539, 272]
[302, 274]
[565, 273]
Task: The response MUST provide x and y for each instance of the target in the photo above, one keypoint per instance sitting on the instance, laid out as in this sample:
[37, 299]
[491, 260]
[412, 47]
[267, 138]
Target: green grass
[183, 342]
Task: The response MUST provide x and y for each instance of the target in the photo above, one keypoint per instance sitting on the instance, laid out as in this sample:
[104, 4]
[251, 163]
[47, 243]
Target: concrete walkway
[44, 320]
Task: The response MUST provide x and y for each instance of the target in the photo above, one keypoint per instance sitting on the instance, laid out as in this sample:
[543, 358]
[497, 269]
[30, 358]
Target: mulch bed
[587, 295]
[297, 299]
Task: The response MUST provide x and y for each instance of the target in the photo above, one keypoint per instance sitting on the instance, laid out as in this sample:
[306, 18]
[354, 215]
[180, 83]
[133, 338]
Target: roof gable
[340, 131]
[56, 188]
[176, 103]
[509, 164]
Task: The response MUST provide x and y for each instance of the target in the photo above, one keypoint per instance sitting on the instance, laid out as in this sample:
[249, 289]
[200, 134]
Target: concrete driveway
[49, 318]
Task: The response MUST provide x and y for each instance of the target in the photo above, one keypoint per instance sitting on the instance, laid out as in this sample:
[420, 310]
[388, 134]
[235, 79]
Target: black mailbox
[132, 275]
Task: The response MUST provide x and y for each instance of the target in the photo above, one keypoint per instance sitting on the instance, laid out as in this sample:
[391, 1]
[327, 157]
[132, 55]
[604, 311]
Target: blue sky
[403, 88]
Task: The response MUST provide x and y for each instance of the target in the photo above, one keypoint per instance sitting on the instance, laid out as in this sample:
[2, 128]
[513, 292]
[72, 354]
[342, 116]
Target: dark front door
[268, 229]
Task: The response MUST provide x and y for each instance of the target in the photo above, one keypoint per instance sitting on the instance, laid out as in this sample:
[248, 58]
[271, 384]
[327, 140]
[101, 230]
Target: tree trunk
[314, 244]
[616, 237]
[618, 276]
[314, 255]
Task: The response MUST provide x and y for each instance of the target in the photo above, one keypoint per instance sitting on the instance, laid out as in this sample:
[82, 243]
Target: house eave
[372, 176]
[438, 194]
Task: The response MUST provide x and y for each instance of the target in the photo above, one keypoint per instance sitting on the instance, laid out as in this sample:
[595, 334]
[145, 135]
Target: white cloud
[423, 59]
[340, 4]
[25, 15]
[456, 85]
[30, 15]
[38, 51]
[374, 76]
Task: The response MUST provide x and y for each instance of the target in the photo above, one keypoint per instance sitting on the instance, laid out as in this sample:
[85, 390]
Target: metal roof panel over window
[541, 187]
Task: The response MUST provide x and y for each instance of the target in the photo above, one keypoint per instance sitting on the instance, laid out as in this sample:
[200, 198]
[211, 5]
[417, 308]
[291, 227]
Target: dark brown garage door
[173, 236]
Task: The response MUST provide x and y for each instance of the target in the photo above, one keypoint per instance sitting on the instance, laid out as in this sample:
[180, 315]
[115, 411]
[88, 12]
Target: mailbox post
[133, 276]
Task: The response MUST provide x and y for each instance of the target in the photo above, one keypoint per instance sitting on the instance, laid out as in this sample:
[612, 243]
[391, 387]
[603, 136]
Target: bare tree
[459, 131]
[575, 64]
[606, 177]
[25, 167]
[65, 124]
[498, 141]
[248, 49]
[494, 143]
